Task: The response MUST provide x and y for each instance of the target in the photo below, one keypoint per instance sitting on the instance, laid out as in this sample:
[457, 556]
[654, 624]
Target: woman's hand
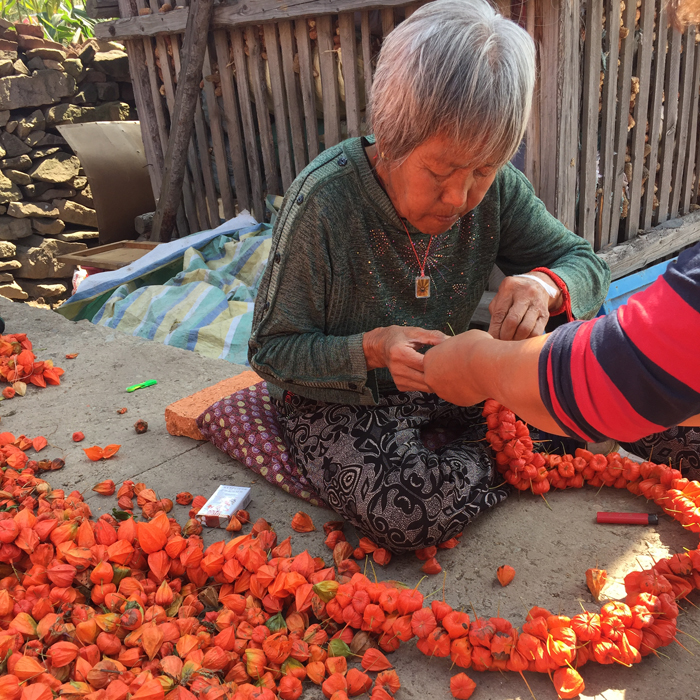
[396, 348]
[450, 371]
[521, 307]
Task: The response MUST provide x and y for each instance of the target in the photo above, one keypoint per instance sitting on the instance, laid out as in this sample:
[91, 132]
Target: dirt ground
[549, 547]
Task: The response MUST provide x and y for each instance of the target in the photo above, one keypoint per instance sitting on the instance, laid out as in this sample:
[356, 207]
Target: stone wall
[46, 207]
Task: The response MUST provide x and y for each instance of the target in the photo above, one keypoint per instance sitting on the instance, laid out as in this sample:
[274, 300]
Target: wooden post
[186, 97]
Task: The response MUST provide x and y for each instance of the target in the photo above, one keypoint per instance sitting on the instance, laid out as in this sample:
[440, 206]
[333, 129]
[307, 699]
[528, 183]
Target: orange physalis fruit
[8, 392]
[374, 660]
[568, 683]
[290, 688]
[381, 556]
[28, 667]
[595, 580]
[38, 691]
[78, 437]
[184, 498]
[62, 653]
[431, 567]
[505, 574]
[302, 522]
[151, 537]
[316, 672]
[110, 451]
[71, 356]
[10, 688]
[140, 426]
[234, 524]
[94, 453]
[121, 411]
[333, 684]
[39, 443]
[389, 680]
[105, 488]
[462, 686]
[358, 682]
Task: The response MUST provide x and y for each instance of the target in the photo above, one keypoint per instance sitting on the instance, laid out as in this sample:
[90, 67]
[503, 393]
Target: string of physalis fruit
[623, 632]
[140, 609]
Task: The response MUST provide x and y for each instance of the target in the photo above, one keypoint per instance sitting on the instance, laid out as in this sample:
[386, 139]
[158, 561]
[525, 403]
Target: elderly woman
[383, 246]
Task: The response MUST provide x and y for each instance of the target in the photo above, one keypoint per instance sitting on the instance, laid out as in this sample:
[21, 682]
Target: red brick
[6, 45]
[30, 29]
[32, 42]
[181, 416]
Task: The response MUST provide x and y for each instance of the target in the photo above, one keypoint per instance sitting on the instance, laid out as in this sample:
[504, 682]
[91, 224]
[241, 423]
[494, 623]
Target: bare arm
[474, 366]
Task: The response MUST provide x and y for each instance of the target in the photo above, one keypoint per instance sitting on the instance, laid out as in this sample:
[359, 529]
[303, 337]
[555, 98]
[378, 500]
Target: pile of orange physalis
[120, 609]
[19, 366]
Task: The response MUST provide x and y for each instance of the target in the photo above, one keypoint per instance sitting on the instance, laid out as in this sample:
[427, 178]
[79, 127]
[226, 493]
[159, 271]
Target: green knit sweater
[341, 264]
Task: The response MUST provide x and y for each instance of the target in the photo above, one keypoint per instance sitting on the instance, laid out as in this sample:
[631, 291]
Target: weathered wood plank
[296, 115]
[641, 106]
[624, 91]
[685, 99]
[691, 161]
[218, 140]
[589, 121]
[348, 47]
[186, 96]
[652, 245]
[655, 116]
[257, 72]
[279, 103]
[201, 142]
[329, 82]
[308, 89]
[248, 120]
[156, 98]
[668, 142]
[192, 160]
[568, 111]
[233, 124]
[366, 55]
[548, 24]
[186, 220]
[532, 144]
[607, 139]
[387, 20]
[234, 14]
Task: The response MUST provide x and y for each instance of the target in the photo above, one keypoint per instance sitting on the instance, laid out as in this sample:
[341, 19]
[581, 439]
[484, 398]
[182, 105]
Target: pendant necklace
[422, 282]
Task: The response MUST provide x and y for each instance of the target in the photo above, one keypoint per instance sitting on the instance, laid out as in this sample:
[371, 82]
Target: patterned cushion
[244, 426]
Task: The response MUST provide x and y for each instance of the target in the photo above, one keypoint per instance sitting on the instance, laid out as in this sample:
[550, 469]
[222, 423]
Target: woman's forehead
[447, 153]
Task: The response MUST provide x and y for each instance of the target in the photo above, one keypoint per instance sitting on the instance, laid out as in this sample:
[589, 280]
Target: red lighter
[628, 518]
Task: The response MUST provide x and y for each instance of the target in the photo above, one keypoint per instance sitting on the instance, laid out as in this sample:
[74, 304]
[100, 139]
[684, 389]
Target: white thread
[552, 291]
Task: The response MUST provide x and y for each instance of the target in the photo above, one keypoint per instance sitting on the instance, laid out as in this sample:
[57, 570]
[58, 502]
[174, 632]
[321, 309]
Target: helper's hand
[450, 371]
[396, 347]
[521, 308]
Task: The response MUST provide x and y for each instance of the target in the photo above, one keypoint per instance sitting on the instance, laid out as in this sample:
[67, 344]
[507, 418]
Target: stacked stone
[46, 206]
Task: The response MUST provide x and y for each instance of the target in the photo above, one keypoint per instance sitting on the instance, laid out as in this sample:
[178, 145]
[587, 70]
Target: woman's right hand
[396, 348]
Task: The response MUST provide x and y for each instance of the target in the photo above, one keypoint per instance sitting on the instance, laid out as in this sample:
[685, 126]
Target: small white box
[217, 511]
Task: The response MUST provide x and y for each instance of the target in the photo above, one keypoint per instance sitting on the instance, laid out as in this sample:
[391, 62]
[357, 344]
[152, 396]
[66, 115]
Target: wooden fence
[611, 147]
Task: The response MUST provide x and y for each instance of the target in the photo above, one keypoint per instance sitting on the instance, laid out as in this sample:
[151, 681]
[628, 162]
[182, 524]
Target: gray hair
[459, 69]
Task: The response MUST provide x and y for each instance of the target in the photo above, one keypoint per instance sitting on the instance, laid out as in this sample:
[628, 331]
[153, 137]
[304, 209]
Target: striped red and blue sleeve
[633, 372]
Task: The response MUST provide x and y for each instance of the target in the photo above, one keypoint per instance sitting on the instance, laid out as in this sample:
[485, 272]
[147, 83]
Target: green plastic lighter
[150, 382]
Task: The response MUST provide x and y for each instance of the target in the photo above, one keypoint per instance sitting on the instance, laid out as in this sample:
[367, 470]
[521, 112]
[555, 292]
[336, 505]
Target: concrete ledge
[181, 416]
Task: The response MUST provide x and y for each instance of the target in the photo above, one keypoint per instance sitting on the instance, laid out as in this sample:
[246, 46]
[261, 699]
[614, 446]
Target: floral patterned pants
[370, 465]
[679, 446]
